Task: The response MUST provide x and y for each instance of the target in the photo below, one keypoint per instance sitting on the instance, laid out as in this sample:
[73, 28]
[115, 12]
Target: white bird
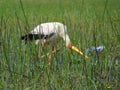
[51, 33]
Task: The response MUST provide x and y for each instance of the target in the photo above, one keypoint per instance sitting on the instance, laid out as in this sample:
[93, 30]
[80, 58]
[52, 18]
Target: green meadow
[89, 22]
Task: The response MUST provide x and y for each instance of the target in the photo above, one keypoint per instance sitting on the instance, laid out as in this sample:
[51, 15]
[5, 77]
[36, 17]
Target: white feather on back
[59, 30]
[50, 27]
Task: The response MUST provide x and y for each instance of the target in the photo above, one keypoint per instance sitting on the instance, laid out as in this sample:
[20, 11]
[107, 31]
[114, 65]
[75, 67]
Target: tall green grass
[90, 23]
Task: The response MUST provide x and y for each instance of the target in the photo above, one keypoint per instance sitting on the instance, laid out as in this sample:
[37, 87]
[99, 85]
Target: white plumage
[50, 32]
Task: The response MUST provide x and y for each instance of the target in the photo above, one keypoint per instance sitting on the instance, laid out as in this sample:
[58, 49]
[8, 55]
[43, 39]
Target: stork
[50, 33]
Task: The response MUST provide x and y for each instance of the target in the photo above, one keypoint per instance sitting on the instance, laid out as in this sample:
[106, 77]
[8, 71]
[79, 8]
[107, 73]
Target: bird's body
[51, 33]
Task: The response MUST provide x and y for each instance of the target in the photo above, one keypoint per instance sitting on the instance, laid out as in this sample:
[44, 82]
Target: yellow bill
[78, 51]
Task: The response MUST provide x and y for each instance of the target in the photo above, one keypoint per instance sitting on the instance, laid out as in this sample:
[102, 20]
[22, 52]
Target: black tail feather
[30, 37]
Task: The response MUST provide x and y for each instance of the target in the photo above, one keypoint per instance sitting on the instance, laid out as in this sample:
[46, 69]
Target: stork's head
[71, 46]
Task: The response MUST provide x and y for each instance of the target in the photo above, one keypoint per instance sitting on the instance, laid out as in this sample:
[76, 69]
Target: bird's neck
[67, 40]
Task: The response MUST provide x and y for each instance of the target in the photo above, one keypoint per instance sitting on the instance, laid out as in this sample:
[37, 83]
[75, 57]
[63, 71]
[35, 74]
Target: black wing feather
[31, 37]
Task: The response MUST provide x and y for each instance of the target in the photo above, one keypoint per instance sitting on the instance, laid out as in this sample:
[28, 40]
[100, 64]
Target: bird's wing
[43, 31]
[36, 30]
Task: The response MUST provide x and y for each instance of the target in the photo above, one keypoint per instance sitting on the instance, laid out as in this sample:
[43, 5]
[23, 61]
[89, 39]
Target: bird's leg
[53, 48]
[49, 57]
[42, 46]
[41, 49]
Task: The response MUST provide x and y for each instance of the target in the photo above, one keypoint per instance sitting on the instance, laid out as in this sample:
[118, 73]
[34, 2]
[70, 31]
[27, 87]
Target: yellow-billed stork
[50, 33]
